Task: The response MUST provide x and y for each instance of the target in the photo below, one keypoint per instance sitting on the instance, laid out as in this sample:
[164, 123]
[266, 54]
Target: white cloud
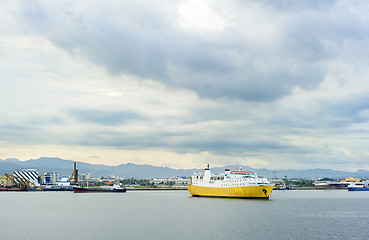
[186, 83]
[199, 16]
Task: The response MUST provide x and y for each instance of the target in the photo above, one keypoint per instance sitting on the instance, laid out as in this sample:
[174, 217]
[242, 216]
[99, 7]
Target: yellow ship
[232, 184]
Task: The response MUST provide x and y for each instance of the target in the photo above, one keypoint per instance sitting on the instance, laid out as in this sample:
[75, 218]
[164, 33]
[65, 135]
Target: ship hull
[98, 190]
[357, 189]
[231, 192]
[12, 189]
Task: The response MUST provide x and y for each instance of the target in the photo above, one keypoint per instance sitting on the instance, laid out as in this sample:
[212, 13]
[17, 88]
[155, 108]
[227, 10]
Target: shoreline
[155, 189]
[182, 189]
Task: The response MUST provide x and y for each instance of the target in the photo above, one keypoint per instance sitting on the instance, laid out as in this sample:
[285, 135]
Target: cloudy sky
[267, 84]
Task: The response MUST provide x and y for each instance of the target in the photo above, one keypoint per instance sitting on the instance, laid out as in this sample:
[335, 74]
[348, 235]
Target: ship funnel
[207, 174]
[207, 168]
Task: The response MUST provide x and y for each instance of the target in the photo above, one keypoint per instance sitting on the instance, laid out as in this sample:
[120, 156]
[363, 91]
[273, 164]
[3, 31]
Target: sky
[267, 84]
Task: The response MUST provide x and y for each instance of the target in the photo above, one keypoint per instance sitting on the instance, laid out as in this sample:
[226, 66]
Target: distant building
[350, 179]
[175, 181]
[329, 183]
[84, 177]
[29, 174]
[276, 181]
[323, 182]
[49, 178]
[64, 182]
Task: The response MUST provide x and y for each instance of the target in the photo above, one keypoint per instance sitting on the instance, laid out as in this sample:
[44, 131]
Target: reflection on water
[178, 215]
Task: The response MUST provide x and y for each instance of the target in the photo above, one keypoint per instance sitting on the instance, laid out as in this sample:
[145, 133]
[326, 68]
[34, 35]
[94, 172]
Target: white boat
[233, 184]
[359, 186]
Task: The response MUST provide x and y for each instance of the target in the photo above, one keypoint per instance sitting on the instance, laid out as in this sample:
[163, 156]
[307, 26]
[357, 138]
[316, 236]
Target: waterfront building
[29, 174]
[330, 183]
[64, 182]
[323, 182]
[175, 181]
[350, 179]
[84, 177]
[49, 178]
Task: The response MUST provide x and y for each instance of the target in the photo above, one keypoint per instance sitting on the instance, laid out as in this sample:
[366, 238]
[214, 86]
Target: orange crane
[20, 182]
[73, 179]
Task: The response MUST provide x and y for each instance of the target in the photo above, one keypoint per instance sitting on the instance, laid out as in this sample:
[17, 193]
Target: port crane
[20, 182]
[73, 179]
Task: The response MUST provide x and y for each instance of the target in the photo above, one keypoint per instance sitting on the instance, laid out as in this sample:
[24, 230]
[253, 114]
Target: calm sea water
[176, 215]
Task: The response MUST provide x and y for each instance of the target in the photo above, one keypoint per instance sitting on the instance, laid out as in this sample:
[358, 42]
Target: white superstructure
[228, 179]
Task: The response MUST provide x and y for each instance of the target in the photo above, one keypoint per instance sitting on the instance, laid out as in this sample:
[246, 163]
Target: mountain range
[130, 170]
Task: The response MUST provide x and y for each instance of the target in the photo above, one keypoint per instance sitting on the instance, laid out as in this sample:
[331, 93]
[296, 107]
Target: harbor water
[315, 214]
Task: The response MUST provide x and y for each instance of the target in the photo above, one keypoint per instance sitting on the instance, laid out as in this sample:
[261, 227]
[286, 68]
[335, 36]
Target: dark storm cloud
[333, 115]
[217, 141]
[28, 128]
[104, 117]
[147, 42]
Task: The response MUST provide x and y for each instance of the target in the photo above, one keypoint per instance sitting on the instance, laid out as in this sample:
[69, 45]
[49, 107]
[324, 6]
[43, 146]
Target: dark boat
[115, 189]
[12, 189]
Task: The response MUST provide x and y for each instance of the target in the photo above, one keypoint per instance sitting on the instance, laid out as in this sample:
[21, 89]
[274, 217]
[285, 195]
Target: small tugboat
[116, 188]
[231, 184]
[359, 186]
